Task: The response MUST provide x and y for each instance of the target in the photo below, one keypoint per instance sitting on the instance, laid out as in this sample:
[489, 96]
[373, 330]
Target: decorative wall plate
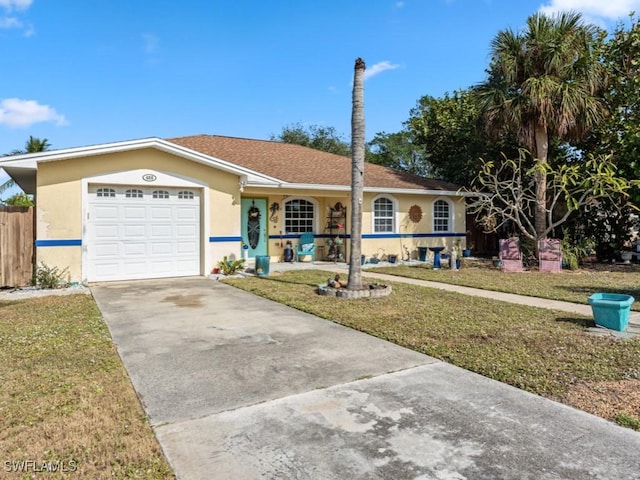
[415, 213]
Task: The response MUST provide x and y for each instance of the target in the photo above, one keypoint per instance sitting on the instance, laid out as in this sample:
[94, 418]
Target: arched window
[105, 192]
[383, 215]
[160, 194]
[441, 216]
[185, 195]
[299, 216]
[133, 193]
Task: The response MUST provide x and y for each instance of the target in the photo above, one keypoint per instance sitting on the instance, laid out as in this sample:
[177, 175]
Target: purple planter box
[611, 310]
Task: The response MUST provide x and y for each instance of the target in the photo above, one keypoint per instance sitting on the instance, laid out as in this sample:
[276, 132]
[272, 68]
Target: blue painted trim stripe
[412, 235]
[62, 242]
[296, 236]
[372, 235]
[230, 238]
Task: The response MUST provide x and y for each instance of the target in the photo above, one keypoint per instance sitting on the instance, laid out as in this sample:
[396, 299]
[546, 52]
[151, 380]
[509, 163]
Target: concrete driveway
[239, 387]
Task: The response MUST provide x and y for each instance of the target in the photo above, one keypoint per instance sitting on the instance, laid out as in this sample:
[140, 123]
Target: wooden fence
[16, 246]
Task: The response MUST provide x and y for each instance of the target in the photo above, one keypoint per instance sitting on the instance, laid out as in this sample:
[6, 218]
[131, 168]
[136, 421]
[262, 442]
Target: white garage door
[138, 232]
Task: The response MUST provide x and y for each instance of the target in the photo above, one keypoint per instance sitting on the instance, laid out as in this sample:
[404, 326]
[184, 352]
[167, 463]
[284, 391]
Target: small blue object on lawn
[611, 310]
[262, 265]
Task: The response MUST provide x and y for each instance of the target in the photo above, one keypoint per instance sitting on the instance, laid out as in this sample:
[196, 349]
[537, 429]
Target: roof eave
[347, 188]
[32, 160]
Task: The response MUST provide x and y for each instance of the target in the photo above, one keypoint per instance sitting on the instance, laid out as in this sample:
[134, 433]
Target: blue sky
[82, 73]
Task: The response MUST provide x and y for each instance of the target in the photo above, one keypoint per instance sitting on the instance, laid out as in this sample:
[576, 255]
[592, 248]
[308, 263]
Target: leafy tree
[357, 175]
[314, 136]
[400, 151]
[618, 134]
[33, 145]
[19, 200]
[510, 192]
[447, 130]
[543, 84]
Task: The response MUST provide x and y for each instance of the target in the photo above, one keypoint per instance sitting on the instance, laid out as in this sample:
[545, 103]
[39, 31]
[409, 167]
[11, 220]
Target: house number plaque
[149, 177]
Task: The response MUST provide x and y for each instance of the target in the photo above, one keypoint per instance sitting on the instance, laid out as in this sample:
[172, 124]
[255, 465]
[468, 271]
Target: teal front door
[254, 225]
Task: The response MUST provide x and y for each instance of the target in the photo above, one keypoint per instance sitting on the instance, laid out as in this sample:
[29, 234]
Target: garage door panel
[158, 248]
[161, 213]
[161, 231]
[189, 231]
[187, 248]
[133, 232]
[133, 213]
[162, 267]
[106, 250]
[105, 212]
[186, 213]
[135, 238]
[106, 232]
[134, 249]
[137, 269]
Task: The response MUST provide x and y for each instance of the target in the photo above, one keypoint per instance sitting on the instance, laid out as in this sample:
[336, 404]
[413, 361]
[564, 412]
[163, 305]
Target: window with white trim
[185, 195]
[105, 192]
[441, 216]
[160, 194]
[299, 216]
[133, 193]
[383, 215]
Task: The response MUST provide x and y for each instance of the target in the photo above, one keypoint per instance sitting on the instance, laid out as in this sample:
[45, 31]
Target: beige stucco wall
[370, 246]
[60, 209]
[60, 192]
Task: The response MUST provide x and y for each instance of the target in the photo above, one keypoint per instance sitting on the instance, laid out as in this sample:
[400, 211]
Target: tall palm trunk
[357, 176]
[542, 153]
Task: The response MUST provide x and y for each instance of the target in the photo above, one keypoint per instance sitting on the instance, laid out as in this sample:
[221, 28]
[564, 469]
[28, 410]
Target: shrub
[45, 276]
[229, 267]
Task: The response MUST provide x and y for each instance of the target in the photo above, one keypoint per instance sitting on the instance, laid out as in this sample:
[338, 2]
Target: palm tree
[543, 83]
[357, 175]
[33, 145]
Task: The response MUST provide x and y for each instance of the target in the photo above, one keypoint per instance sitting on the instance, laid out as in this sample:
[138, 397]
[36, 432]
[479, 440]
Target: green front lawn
[66, 397]
[539, 350]
[570, 286]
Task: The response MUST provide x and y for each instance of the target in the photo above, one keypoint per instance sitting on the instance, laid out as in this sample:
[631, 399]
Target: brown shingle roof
[297, 164]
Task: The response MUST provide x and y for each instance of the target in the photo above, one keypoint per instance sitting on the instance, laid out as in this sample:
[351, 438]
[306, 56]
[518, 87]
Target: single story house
[156, 207]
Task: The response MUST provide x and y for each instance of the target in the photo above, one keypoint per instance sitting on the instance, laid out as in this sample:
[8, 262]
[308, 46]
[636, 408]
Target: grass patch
[628, 421]
[569, 286]
[66, 397]
[538, 350]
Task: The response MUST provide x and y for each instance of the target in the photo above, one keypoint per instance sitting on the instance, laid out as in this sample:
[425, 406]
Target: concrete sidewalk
[239, 387]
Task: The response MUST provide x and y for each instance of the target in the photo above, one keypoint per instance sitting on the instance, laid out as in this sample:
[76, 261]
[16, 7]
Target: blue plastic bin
[262, 265]
[422, 254]
[611, 310]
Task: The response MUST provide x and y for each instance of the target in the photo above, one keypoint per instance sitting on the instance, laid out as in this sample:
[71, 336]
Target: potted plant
[467, 251]
[626, 254]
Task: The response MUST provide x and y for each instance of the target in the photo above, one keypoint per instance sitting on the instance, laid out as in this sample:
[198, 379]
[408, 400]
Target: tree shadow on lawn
[290, 281]
[580, 321]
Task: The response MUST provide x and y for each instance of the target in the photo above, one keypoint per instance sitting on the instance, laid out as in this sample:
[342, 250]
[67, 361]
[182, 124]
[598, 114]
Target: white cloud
[10, 5]
[379, 68]
[606, 9]
[151, 42]
[10, 22]
[15, 112]
[7, 20]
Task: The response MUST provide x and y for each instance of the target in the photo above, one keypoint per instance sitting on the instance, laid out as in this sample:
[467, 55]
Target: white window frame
[449, 216]
[160, 194]
[133, 193]
[316, 213]
[185, 195]
[105, 192]
[394, 205]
